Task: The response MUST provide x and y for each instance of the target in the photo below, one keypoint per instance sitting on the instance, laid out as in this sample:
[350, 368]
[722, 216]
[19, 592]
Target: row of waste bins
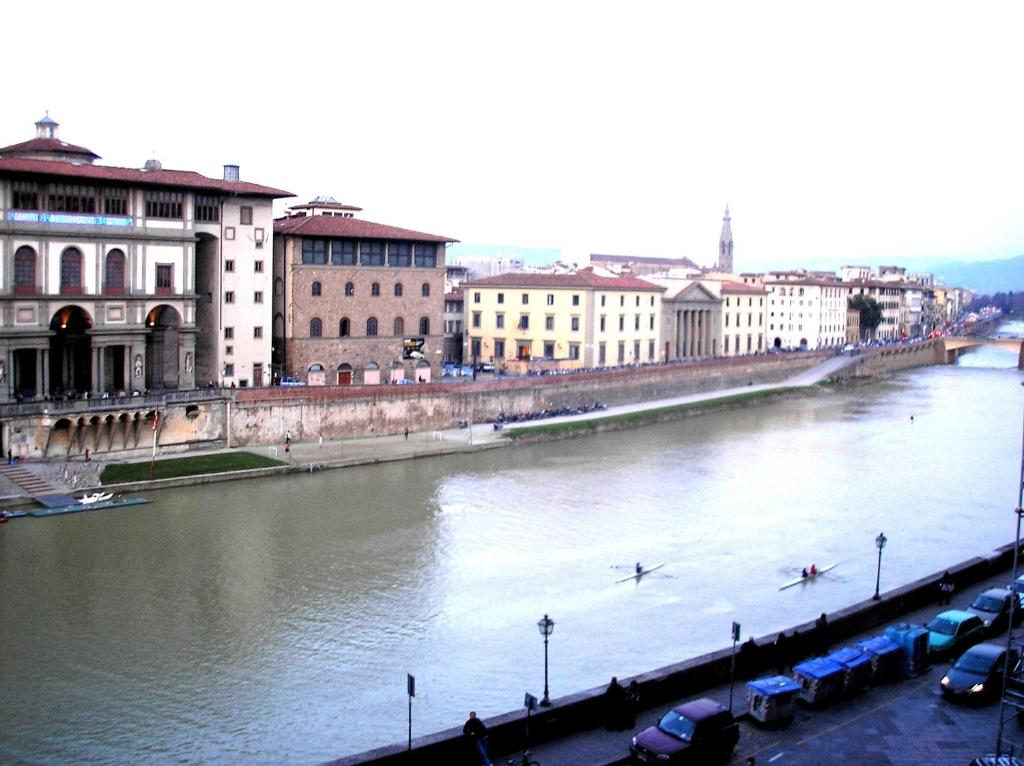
[901, 651]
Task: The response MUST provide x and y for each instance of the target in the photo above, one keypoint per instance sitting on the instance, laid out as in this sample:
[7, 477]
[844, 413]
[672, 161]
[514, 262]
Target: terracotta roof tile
[333, 226]
[739, 287]
[177, 179]
[53, 145]
[644, 259]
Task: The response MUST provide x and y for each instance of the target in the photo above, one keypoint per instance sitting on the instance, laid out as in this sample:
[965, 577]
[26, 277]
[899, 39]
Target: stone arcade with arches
[121, 279]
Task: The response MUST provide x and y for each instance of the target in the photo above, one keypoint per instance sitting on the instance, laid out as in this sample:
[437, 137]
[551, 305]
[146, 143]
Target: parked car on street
[978, 674]
[953, 631]
[1018, 588]
[993, 607]
[701, 731]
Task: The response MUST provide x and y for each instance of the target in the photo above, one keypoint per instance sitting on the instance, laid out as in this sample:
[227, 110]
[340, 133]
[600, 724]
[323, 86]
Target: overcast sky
[862, 132]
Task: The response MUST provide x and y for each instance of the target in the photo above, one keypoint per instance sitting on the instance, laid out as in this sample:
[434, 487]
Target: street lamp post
[880, 542]
[546, 626]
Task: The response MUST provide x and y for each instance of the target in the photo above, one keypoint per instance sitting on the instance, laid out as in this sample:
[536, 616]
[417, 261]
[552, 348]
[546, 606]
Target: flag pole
[152, 461]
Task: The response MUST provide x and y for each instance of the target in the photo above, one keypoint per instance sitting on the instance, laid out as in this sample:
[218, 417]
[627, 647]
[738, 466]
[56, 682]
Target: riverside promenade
[902, 723]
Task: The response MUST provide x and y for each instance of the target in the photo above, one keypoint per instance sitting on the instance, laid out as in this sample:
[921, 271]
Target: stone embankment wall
[584, 710]
[106, 430]
[261, 416]
[881, 360]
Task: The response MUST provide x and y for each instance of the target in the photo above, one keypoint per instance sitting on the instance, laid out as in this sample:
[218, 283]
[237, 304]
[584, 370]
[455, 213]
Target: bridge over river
[955, 346]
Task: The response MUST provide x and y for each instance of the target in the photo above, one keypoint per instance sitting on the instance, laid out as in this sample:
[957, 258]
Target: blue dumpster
[913, 643]
[771, 699]
[857, 666]
[820, 679]
[885, 658]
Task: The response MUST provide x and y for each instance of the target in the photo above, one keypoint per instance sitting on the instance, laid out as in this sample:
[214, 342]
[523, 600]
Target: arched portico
[397, 372]
[163, 346]
[371, 374]
[422, 371]
[71, 363]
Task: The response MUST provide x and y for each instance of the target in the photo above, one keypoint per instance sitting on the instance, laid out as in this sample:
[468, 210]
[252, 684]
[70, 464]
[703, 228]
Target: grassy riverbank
[648, 417]
[220, 462]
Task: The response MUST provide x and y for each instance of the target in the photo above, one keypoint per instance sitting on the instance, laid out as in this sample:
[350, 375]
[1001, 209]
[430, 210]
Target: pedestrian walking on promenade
[945, 588]
[748, 651]
[407, 433]
[476, 731]
[821, 634]
[614, 706]
[632, 703]
[782, 653]
[320, 441]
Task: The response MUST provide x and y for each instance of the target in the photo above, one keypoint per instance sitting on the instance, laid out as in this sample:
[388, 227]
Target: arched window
[424, 325]
[279, 287]
[398, 289]
[316, 289]
[316, 327]
[371, 327]
[350, 289]
[114, 277]
[425, 290]
[399, 327]
[279, 325]
[71, 271]
[344, 328]
[375, 289]
[25, 271]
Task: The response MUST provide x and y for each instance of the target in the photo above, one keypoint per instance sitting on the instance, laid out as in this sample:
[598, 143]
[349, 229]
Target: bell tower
[725, 244]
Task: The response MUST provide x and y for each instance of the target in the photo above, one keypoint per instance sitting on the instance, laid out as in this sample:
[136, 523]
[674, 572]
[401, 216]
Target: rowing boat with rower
[641, 573]
[808, 578]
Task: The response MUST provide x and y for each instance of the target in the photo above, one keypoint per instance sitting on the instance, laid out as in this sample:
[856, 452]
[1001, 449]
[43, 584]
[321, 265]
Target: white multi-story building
[124, 278]
[805, 313]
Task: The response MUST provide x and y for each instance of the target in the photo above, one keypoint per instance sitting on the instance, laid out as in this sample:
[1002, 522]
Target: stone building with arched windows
[356, 302]
[120, 279]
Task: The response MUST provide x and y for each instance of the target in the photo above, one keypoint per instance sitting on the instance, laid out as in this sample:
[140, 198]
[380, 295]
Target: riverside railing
[99, 404]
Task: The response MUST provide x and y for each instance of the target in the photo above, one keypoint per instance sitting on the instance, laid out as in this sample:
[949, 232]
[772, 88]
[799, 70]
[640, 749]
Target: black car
[978, 674]
[701, 731]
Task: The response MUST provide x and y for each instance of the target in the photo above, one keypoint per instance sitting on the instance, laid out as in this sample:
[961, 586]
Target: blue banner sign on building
[21, 216]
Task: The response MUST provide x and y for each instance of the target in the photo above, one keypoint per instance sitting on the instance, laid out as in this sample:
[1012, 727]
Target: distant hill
[983, 277]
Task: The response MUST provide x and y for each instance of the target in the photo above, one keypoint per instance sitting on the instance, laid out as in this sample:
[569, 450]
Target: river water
[274, 621]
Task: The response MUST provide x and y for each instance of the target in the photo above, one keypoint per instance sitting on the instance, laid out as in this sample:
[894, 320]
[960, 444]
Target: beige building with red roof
[117, 279]
[356, 301]
[744, 318]
[584, 319]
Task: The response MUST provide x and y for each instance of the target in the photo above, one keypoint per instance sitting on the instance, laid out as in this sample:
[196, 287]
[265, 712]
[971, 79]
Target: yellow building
[744, 318]
[536, 321]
